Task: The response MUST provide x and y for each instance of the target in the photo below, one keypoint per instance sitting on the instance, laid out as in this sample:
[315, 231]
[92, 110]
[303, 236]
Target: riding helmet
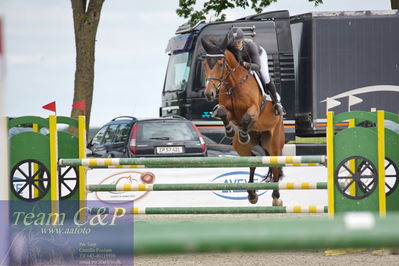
[236, 34]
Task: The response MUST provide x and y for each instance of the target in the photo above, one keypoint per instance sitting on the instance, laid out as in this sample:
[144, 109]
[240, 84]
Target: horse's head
[214, 66]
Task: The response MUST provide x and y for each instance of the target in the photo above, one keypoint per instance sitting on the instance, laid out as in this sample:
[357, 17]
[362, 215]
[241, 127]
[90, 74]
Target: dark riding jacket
[250, 53]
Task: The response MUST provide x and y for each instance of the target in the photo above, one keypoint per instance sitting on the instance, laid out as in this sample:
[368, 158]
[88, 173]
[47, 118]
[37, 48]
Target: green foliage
[187, 8]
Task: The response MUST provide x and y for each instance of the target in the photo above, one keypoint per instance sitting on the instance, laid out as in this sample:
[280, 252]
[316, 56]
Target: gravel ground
[341, 257]
[269, 258]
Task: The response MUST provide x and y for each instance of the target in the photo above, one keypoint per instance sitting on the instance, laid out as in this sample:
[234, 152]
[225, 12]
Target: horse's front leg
[252, 196]
[222, 113]
[248, 119]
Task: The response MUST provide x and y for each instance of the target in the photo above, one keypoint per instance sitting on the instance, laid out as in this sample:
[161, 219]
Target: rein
[222, 81]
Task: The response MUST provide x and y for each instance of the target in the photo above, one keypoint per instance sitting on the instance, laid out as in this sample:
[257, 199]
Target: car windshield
[174, 131]
[178, 71]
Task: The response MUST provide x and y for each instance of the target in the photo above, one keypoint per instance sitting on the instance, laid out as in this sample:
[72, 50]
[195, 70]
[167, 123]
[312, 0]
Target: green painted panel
[391, 117]
[29, 145]
[42, 122]
[392, 153]
[68, 148]
[358, 115]
[67, 120]
[355, 141]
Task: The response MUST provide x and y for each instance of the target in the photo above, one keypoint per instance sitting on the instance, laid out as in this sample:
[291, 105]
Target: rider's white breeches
[264, 67]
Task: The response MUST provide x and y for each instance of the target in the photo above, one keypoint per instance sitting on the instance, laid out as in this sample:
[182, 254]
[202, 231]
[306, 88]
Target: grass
[299, 140]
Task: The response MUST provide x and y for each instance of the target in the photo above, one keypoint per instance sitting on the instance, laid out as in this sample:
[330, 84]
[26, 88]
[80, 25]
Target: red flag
[81, 105]
[50, 107]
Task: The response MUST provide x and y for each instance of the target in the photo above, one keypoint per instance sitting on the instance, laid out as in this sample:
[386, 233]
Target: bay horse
[260, 131]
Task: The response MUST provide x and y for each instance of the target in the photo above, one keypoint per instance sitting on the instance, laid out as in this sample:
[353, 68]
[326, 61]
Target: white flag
[353, 100]
[331, 103]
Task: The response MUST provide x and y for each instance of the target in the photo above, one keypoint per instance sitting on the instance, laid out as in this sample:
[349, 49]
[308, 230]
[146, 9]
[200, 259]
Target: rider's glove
[246, 65]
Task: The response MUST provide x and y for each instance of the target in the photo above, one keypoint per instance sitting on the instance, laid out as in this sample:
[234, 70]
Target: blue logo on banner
[234, 178]
[206, 115]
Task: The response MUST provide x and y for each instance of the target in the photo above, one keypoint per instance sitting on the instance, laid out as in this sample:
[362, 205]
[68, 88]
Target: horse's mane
[230, 57]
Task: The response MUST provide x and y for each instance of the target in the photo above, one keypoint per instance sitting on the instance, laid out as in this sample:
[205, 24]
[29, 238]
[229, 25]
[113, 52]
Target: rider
[254, 57]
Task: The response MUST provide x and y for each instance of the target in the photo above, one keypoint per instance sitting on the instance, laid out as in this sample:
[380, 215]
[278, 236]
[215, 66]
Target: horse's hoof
[277, 202]
[219, 111]
[253, 199]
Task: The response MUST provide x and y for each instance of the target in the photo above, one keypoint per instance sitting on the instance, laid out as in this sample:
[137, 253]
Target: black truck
[319, 61]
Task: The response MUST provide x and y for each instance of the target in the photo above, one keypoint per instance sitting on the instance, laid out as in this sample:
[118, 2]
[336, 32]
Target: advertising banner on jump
[211, 198]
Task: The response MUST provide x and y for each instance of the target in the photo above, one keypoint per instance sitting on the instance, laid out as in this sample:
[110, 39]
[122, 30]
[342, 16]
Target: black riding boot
[278, 107]
[271, 88]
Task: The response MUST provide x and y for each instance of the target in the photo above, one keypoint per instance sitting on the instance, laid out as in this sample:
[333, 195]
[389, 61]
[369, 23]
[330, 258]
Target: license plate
[169, 150]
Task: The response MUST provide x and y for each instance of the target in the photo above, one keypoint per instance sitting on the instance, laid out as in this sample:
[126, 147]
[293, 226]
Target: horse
[242, 108]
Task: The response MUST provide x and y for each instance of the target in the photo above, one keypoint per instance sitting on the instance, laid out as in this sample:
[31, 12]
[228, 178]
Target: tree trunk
[86, 19]
[395, 4]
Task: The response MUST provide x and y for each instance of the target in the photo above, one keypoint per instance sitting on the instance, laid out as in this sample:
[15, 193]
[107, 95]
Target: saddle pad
[268, 98]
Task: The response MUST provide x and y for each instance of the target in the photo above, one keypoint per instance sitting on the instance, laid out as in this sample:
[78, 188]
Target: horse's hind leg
[276, 171]
[252, 196]
[273, 146]
[222, 113]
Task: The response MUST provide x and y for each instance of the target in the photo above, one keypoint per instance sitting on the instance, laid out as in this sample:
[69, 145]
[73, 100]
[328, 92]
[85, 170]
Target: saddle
[266, 96]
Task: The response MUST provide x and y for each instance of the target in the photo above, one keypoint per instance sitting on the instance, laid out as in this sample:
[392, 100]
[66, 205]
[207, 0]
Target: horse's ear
[225, 42]
[207, 45]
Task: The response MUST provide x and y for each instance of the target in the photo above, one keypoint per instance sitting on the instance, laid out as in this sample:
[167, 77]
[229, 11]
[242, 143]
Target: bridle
[222, 81]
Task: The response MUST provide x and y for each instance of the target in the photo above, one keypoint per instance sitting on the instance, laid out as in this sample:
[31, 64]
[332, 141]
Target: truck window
[178, 71]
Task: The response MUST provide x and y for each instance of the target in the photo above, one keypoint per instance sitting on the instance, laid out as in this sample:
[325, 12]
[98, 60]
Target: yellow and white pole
[352, 165]
[82, 169]
[54, 187]
[35, 128]
[330, 163]
[381, 163]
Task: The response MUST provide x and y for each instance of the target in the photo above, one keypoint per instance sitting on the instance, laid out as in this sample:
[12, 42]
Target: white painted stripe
[141, 210]
[359, 220]
[312, 185]
[320, 209]
[282, 159]
[289, 209]
[297, 185]
[297, 159]
[265, 159]
[119, 187]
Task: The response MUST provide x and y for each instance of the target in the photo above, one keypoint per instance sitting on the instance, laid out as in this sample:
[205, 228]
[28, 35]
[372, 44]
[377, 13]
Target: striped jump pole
[211, 210]
[197, 162]
[206, 186]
